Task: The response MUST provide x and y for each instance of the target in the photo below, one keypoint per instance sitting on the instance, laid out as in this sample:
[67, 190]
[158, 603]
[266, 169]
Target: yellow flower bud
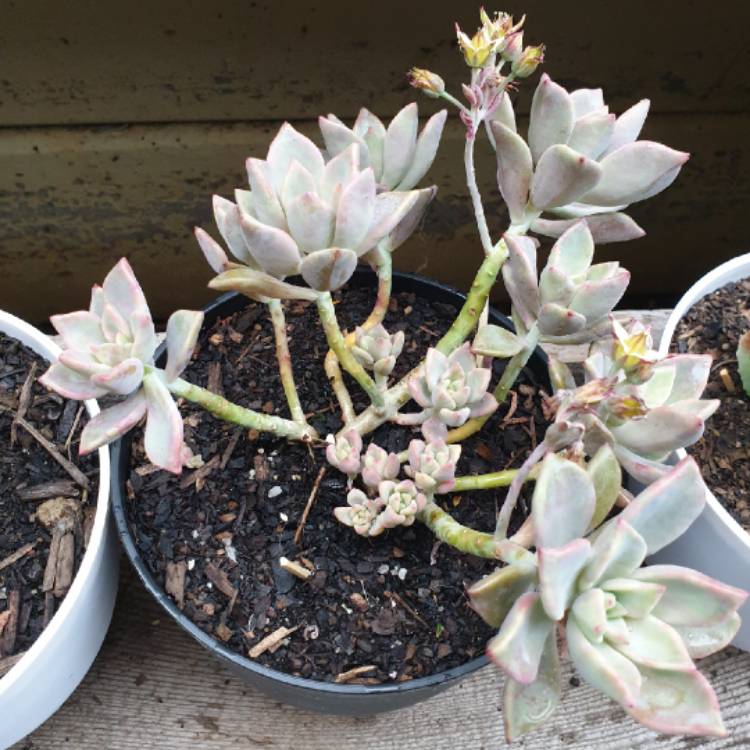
[477, 49]
[431, 83]
[528, 61]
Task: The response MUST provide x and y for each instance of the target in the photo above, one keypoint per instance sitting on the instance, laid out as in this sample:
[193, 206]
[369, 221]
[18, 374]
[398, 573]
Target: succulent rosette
[344, 453]
[571, 296]
[631, 632]
[305, 216]
[401, 501]
[580, 161]
[108, 350]
[378, 465]
[377, 350]
[432, 465]
[360, 513]
[451, 390]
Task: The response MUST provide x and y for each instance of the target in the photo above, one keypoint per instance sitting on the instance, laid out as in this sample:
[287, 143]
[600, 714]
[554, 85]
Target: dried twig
[46, 490]
[17, 555]
[221, 580]
[73, 429]
[270, 642]
[295, 568]
[23, 402]
[201, 473]
[175, 581]
[413, 612]
[308, 506]
[352, 673]
[230, 448]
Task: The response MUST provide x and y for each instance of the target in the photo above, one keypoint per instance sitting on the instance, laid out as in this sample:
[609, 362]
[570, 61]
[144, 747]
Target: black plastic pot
[325, 697]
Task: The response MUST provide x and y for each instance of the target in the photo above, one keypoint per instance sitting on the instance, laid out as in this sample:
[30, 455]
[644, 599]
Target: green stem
[337, 342]
[484, 481]
[464, 539]
[230, 412]
[285, 361]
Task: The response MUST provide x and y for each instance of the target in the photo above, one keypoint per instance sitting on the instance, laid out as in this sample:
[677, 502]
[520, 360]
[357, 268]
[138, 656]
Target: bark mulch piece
[714, 326]
[394, 604]
[47, 499]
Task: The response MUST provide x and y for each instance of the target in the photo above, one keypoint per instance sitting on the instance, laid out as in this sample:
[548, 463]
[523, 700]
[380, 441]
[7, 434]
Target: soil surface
[46, 509]
[393, 605]
[714, 326]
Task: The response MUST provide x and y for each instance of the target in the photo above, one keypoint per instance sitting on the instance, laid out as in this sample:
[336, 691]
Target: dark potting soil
[213, 536]
[46, 510]
[714, 326]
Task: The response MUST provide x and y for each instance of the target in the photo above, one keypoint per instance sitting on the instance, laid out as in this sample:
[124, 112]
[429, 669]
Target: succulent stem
[484, 481]
[230, 412]
[471, 181]
[285, 361]
[333, 371]
[337, 342]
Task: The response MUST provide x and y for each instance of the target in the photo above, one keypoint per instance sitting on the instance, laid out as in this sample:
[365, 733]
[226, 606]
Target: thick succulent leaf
[633, 172]
[574, 251]
[691, 375]
[560, 375]
[666, 508]
[558, 571]
[562, 504]
[290, 145]
[562, 176]
[643, 470]
[425, 151]
[404, 229]
[590, 612]
[112, 423]
[496, 341]
[586, 101]
[337, 138]
[514, 169]
[113, 325]
[493, 596]
[663, 430]
[266, 204]
[121, 379]
[503, 113]
[517, 648]
[608, 227]
[69, 383]
[259, 286]
[606, 476]
[82, 362]
[227, 217]
[595, 299]
[603, 667]
[629, 125]
[183, 328]
[400, 145]
[638, 598]
[555, 286]
[707, 640]
[691, 598]
[311, 222]
[144, 337]
[618, 551]
[655, 391]
[163, 437]
[355, 211]
[390, 210]
[212, 251]
[616, 630]
[654, 644]
[702, 408]
[520, 276]
[297, 182]
[592, 133]
[121, 288]
[556, 320]
[551, 116]
[330, 269]
[339, 171]
[78, 330]
[372, 131]
[527, 706]
[272, 249]
[678, 703]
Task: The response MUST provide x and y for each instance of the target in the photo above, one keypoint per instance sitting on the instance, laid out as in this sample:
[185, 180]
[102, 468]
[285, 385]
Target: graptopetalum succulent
[574, 570]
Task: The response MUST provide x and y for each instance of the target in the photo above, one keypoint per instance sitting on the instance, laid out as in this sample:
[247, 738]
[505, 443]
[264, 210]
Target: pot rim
[119, 451]
[735, 269]
[46, 347]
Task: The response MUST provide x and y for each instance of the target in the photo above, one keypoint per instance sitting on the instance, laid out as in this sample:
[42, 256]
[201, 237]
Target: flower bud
[477, 49]
[528, 61]
[513, 47]
[431, 83]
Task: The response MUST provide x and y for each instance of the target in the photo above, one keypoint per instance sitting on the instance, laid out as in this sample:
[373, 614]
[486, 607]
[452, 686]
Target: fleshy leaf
[605, 473]
[164, 430]
[617, 552]
[121, 379]
[551, 116]
[311, 222]
[527, 706]
[591, 133]
[595, 299]
[355, 211]
[562, 176]
[78, 330]
[272, 249]
[496, 341]
[183, 328]
[691, 375]
[661, 431]
[629, 125]
[265, 201]
[212, 251]
[608, 227]
[573, 252]
[518, 647]
[707, 640]
[666, 508]
[562, 504]
[637, 597]
[556, 320]
[424, 154]
[112, 423]
[493, 596]
[259, 286]
[69, 383]
[227, 217]
[514, 169]
[289, 145]
[654, 644]
[558, 571]
[330, 269]
[590, 612]
[520, 276]
[400, 145]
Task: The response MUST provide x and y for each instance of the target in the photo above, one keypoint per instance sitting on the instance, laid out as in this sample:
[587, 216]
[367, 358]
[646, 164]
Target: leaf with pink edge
[556, 320]
[311, 222]
[78, 330]
[266, 204]
[514, 169]
[400, 145]
[337, 138]
[183, 328]
[654, 644]
[371, 130]
[558, 571]
[411, 219]
[595, 299]
[163, 437]
[605, 228]
[637, 597]
[551, 116]
[70, 384]
[121, 379]
[705, 640]
[493, 596]
[629, 125]
[617, 551]
[520, 276]
[663, 430]
[355, 211]
[227, 217]
[586, 101]
[562, 176]
[290, 145]
[212, 251]
[425, 151]
[591, 134]
[112, 423]
[329, 269]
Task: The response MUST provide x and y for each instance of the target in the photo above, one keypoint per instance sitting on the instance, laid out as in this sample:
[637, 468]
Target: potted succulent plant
[711, 318]
[58, 550]
[330, 554]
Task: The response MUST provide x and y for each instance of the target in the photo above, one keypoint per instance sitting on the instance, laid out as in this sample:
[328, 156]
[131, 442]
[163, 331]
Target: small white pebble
[190, 564]
[261, 451]
[195, 534]
[209, 585]
[251, 473]
[382, 570]
[393, 675]
[346, 609]
[402, 573]
[330, 439]
[275, 491]
[230, 550]
[283, 516]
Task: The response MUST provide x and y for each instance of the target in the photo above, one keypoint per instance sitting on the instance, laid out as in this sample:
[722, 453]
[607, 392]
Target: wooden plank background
[118, 121]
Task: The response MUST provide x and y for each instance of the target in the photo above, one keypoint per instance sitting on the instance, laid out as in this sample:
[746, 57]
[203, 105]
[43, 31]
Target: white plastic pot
[715, 544]
[52, 668]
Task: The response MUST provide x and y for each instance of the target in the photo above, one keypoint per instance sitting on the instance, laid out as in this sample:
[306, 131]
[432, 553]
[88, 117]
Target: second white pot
[59, 659]
[715, 544]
